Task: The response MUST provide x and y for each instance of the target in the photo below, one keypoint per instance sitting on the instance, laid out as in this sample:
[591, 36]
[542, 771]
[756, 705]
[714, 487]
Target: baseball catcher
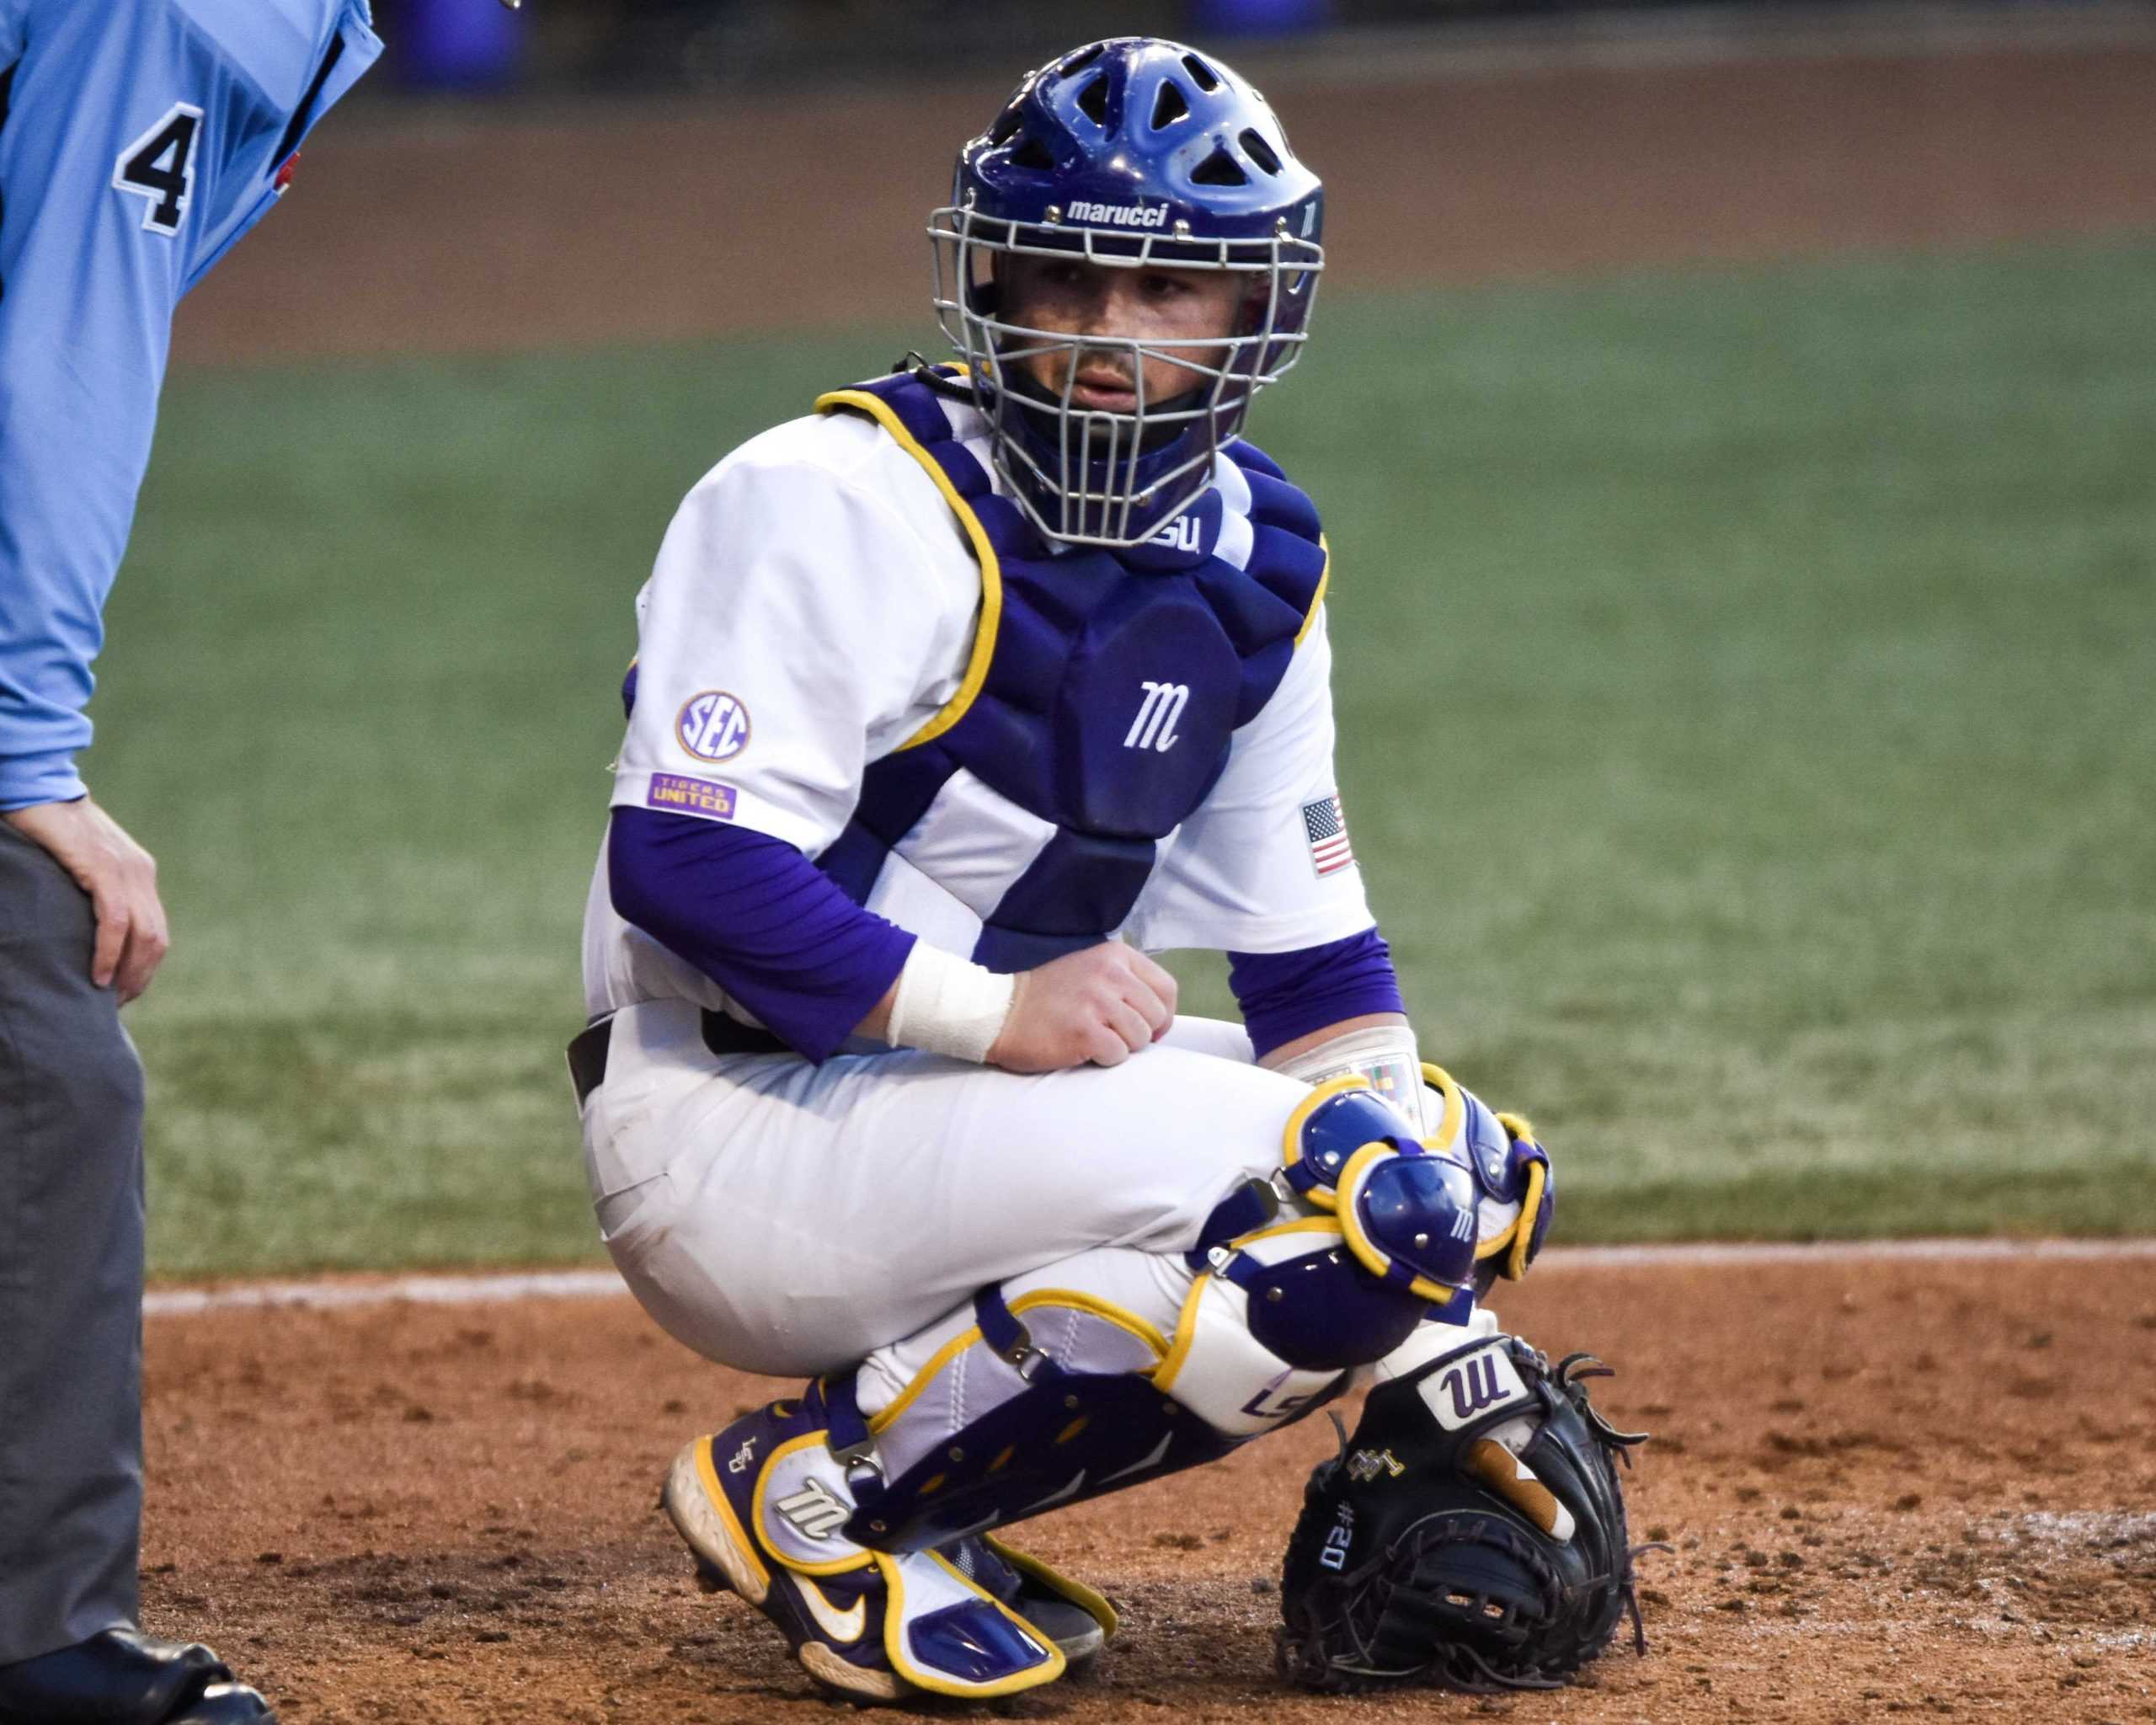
[954, 701]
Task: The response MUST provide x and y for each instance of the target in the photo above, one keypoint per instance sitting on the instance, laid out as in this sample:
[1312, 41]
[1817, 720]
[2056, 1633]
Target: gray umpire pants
[71, 1272]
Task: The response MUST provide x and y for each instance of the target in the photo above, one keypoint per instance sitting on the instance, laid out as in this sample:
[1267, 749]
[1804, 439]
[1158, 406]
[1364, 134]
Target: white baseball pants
[789, 1219]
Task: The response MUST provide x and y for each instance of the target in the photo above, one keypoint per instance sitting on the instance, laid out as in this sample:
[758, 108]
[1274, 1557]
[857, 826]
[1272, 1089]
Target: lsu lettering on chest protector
[1102, 692]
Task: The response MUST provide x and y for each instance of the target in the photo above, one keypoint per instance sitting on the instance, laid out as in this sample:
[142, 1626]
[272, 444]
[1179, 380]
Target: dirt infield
[1908, 1488]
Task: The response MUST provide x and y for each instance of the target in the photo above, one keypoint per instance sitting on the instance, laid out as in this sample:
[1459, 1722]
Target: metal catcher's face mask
[1133, 153]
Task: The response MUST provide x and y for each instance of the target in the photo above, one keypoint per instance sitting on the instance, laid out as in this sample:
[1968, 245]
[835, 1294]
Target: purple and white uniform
[818, 605]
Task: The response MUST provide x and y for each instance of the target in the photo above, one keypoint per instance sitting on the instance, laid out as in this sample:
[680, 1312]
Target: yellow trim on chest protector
[991, 570]
[1324, 581]
[991, 567]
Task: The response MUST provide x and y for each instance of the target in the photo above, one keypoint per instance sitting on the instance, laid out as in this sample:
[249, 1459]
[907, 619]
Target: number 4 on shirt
[159, 167]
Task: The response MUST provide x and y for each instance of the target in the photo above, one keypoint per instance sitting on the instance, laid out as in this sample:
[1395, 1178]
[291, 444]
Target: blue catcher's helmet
[1129, 153]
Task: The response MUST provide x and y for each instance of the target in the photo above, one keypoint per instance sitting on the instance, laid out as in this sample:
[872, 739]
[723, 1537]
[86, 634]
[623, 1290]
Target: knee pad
[1517, 1192]
[1407, 1211]
[1280, 1310]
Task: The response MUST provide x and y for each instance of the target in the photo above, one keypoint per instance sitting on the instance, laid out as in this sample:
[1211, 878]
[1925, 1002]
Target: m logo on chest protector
[1154, 726]
[815, 1510]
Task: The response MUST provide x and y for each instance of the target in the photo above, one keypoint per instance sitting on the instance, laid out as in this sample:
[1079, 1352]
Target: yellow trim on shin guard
[1515, 1240]
[1094, 1605]
[893, 1571]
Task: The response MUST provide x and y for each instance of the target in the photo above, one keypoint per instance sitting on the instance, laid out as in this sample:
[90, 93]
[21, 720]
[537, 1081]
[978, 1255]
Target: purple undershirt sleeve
[1287, 995]
[757, 917]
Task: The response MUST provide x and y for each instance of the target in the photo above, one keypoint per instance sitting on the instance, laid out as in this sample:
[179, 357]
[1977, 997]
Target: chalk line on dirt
[475, 1289]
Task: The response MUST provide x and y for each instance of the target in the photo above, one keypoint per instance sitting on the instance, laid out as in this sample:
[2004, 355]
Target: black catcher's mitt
[1471, 1535]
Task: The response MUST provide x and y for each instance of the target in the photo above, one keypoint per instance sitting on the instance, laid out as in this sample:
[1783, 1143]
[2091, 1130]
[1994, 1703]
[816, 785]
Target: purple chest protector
[1105, 686]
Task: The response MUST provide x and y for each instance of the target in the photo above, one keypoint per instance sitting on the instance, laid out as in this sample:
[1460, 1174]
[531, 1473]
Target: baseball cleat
[832, 1623]
[763, 1507]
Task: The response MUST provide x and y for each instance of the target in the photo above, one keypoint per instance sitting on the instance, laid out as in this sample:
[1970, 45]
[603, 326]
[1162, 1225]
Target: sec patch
[713, 726]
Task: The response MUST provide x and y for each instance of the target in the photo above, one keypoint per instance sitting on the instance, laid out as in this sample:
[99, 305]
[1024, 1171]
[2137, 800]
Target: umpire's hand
[1098, 1006]
[121, 878]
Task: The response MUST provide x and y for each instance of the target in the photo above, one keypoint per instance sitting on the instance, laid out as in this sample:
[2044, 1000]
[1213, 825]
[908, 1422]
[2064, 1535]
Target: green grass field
[1745, 688]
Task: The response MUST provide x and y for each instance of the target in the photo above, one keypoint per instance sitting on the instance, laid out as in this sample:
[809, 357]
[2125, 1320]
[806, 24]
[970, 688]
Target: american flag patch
[1327, 829]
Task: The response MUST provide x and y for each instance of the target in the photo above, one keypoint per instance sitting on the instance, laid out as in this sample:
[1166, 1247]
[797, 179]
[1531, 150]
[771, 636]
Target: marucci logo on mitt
[1475, 1558]
[1483, 1380]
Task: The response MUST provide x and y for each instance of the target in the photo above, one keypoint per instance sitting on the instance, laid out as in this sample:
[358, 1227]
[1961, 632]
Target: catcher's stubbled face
[1118, 305]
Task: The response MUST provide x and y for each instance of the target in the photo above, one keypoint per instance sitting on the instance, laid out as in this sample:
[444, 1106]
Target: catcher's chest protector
[1104, 687]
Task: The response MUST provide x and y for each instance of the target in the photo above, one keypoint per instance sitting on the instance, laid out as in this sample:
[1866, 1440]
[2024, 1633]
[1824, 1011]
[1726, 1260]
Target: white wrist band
[1383, 1054]
[947, 1005]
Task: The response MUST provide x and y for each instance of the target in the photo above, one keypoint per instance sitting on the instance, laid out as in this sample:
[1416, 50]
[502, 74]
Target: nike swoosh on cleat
[840, 1625]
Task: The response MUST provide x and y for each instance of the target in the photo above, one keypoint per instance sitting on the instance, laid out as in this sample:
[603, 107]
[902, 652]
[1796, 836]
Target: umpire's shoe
[123, 1678]
[872, 1626]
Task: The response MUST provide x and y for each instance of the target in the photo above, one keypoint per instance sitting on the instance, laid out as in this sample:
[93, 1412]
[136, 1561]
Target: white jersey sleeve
[812, 606]
[1253, 869]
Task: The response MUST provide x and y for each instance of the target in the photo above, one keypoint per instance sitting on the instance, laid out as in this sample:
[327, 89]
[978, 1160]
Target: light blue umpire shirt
[139, 139]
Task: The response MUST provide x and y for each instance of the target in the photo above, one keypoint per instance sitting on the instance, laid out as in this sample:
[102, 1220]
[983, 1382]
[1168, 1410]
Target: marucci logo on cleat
[815, 1510]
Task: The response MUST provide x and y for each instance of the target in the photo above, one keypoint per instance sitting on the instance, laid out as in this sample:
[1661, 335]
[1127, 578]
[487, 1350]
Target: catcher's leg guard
[1081, 1378]
[765, 1506]
[1043, 1401]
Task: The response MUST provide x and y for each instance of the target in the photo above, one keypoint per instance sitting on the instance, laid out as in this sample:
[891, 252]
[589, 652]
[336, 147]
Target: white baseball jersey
[814, 605]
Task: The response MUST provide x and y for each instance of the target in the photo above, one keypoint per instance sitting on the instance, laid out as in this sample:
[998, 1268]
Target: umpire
[139, 139]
